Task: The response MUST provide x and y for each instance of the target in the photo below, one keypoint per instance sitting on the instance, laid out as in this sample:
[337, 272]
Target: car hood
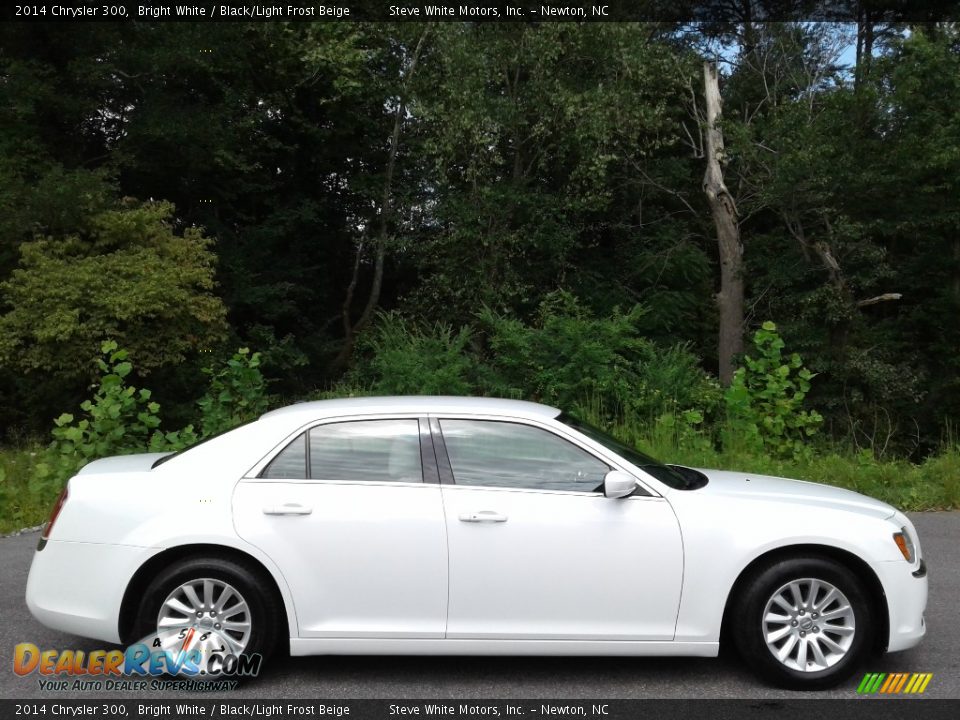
[766, 488]
[140, 462]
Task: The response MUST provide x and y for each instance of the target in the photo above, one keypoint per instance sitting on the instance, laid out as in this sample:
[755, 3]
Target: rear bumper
[906, 588]
[78, 587]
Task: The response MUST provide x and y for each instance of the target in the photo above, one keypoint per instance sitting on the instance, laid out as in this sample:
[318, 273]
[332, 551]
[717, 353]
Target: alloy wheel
[808, 625]
[206, 614]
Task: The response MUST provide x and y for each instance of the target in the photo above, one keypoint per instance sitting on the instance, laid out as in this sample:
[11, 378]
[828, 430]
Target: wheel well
[145, 574]
[857, 566]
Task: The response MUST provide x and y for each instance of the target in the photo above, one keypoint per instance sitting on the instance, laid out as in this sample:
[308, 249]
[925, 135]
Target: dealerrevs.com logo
[189, 659]
[894, 683]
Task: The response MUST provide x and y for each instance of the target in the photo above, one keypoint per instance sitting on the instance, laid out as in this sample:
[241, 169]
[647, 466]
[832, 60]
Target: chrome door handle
[287, 509]
[483, 516]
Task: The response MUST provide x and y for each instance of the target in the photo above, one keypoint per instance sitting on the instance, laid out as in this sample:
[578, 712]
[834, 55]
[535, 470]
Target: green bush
[564, 356]
[765, 400]
[237, 393]
[572, 358]
[118, 420]
[128, 276]
[398, 357]
[20, 504]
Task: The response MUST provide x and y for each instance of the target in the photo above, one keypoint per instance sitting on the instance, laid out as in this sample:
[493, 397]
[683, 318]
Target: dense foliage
[118, 420]
[508, 209]
[127, 277]
[765, 401]
[121, 419]
[563, 355]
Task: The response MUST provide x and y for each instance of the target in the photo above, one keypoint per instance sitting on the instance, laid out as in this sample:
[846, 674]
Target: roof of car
[416, 404]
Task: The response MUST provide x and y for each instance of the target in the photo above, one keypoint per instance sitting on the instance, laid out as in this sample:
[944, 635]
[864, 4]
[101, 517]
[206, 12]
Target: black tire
[264, 606]
[748, 624]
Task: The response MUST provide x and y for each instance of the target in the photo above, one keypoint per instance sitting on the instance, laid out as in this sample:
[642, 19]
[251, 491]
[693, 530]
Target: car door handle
[483, 516]
[287, 509]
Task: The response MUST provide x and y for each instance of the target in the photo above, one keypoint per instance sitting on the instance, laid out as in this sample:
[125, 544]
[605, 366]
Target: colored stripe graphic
[894, 683]
[870, 683]
[903, 681]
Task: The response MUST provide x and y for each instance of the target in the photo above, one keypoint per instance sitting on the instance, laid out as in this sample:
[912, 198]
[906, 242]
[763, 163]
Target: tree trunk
[724, 211]
[956, 267]
[864, 56]
[351, 329]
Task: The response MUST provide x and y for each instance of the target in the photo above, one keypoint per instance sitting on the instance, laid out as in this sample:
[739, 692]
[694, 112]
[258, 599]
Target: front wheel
[804, 623]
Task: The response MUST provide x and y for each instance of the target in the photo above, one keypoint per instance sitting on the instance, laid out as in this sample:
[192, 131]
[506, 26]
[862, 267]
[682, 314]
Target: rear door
[353, 516]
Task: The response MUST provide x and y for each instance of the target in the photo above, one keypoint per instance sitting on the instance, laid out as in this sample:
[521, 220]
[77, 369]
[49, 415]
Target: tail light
[54, 514]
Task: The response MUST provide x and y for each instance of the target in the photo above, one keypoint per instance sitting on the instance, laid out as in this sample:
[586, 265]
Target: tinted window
[661, 472]
[368, 451]
[291, 463]
[503, 454]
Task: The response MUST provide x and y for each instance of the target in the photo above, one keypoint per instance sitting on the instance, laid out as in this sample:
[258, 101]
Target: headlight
[905, 543]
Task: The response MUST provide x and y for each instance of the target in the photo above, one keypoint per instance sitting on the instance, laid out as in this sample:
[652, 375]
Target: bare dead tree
[724, 212]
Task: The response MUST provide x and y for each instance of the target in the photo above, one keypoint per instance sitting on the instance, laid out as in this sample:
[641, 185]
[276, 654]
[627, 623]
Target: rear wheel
[804, 623]
[213, 605]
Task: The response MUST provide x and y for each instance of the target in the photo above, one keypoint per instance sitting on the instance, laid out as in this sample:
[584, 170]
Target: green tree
[549, 148]
[129, 277]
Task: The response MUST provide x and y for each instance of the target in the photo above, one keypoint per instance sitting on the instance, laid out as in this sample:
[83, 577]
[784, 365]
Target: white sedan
[472, 526]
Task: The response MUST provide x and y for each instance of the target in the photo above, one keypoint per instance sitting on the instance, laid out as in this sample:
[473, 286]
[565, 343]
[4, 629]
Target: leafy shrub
[128, 276]
[765, 400]
[671, 384]
[398, 357]
[237, 394]
[565, 356]
[118, 420]
[569, 357]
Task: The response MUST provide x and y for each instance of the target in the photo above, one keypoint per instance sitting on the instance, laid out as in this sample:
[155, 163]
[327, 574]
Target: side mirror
[618, 484]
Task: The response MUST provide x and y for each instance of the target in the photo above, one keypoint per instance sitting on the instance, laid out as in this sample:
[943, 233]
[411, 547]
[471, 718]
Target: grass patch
[933, 484]
[21, 505]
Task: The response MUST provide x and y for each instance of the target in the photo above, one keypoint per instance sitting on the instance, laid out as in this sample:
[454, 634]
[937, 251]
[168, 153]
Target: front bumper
[78, 587]
[905, 586]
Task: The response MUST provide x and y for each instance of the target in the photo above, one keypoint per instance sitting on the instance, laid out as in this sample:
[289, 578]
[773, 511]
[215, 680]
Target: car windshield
[666, 475]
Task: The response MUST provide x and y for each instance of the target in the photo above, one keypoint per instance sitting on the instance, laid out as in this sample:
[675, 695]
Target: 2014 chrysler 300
[432, 525]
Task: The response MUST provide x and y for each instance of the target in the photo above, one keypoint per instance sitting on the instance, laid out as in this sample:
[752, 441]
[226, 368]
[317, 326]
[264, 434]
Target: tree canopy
[281, 187]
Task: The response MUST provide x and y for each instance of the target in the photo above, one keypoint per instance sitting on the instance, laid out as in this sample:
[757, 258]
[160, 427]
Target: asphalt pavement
[509, 678]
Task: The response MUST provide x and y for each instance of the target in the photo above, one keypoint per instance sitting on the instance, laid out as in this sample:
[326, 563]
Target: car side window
[290, 463]
[357, 451]
[513, 455]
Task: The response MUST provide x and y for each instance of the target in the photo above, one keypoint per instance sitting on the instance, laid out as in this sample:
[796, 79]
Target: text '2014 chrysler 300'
[442, 525]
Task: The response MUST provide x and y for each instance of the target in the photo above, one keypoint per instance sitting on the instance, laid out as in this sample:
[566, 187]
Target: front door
[538, 552]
